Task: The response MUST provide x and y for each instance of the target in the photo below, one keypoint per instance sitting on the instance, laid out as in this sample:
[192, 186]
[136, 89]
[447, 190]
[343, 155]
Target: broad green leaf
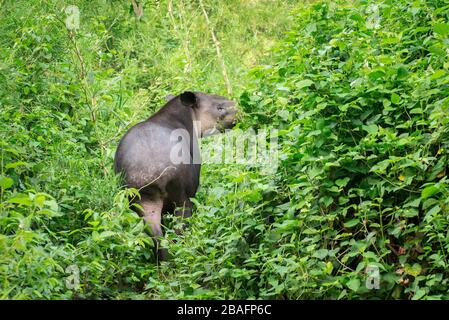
[254, 196]
[402, 72]
[413, 270]
[351, 223]
[327, 201]
[371, 128]
[419, 294]
[321, 253]
[329, 267]
[415, 203]
[395, 98]
[353, 284]
[15, 164]
[377, 74]
[49, 213]
[21, 199]
[438, 74]
[433, 211]
[429, 191]
[304, 83]
[441, 28]
[342, 182]
[416, 111]
[6, 182]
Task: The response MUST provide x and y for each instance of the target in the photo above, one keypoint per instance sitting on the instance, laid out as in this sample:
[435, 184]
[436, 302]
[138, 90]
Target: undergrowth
[357, 207]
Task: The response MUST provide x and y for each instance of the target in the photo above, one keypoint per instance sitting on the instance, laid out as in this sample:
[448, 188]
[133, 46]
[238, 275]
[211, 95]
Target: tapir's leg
[152, 210]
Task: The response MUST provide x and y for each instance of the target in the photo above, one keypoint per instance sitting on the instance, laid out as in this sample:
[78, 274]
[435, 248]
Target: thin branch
[78, 54]
[138, 9]
[178, 34]
[217, 47]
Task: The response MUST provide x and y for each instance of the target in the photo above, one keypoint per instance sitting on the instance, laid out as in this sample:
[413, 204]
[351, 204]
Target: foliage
[360, 93]
[66, 97]
[357, 91]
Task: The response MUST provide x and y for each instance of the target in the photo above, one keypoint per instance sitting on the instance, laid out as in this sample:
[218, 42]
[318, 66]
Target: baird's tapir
[148, 156]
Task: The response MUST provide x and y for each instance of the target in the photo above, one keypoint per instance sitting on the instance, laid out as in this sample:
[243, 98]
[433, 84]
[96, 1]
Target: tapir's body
[145, 155]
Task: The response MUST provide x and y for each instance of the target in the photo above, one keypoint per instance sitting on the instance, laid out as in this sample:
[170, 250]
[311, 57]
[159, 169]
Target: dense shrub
[357, 90]
[66, 97]
[361, 93]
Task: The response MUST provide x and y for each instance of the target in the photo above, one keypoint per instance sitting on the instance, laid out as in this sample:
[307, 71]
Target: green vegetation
[358, 91]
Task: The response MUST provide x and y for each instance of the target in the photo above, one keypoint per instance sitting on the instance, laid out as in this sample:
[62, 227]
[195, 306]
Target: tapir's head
[213, 113]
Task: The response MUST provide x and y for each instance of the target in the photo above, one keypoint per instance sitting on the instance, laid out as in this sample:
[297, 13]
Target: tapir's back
[143, 156]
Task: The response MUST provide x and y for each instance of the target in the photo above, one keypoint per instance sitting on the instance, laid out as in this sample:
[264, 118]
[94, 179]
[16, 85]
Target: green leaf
[415, 203]
[304, 83]
[21, 199]
[416, 111]
[52, 204]
[357, 17]
[321, 253]
[441, 28]
[419, 294]
[106, 234]
[353, 284]
[351, 223]
[429, 191]
[49, 213]
[433, 211]
[254, 196]
[15, 165]
[371, 128]
[327, 201]
[395, 98]
[438, 74]
[6, 182]
[414, 270]
[328, 269]
[342, 182]
[377, 74]
[343, 294]
[402, 72]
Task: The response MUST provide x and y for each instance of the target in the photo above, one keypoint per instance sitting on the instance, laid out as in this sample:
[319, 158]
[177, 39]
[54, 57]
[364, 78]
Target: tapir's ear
[188, 99]
[169, 97]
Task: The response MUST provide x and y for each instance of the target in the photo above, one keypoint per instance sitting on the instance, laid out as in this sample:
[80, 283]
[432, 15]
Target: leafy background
[357, 89]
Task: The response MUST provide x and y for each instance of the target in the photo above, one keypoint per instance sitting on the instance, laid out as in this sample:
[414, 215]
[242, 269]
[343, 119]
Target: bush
[357, 208]
[360, 93]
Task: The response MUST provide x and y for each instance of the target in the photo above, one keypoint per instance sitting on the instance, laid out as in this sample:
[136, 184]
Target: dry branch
[217, 47]
[138, 9]
[178, 34]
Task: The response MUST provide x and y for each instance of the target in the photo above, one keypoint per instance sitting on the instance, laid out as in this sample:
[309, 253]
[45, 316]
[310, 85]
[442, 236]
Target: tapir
[160, 156]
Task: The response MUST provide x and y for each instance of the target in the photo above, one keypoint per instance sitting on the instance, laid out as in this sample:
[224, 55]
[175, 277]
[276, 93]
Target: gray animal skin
[146, 152]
